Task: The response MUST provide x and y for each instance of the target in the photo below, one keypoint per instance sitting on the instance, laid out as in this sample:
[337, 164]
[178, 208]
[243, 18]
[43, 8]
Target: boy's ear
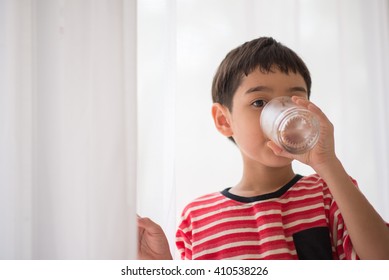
[221, 117]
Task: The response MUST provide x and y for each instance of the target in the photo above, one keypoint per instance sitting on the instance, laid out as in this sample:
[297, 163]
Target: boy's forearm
[368, 232]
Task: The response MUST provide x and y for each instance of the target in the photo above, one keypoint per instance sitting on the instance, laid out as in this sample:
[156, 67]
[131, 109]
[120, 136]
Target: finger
[319, 113]
[144, 222]
[141, 232]
[301, 101]
[148, 225]
[141, 227]
[314, 109]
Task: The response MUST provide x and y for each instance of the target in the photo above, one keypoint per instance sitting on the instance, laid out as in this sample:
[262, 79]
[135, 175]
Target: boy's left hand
[324, 151]
[152, 241]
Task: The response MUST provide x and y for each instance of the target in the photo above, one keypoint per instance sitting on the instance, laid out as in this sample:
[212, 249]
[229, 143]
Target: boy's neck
[262, 180]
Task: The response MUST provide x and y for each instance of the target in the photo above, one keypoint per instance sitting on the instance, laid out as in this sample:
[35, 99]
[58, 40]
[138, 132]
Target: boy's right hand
[323, 154]
[152, 242]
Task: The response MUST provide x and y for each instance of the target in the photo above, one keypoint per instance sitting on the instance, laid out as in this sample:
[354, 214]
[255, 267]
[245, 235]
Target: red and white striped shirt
[299, 221]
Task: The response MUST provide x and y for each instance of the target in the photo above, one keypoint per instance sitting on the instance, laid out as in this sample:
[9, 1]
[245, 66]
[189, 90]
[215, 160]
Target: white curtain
[67, 129]
[345, 44]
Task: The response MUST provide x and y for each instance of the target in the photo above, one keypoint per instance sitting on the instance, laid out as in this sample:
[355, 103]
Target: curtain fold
[67, 106]
[376, 45]
[157, 114]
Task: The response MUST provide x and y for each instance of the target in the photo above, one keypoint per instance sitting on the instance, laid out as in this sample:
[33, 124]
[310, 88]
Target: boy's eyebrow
[258, 88]
[292, 89]
[267, 89]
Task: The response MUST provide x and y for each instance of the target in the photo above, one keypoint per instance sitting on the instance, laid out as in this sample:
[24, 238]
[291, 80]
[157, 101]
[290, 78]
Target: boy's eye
[259, 103]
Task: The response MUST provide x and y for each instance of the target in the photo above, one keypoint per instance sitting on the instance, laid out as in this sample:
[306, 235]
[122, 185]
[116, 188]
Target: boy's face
[251, 96]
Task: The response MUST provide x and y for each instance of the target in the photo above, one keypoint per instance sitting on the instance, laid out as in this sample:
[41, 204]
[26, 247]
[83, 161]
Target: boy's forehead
[273, 80]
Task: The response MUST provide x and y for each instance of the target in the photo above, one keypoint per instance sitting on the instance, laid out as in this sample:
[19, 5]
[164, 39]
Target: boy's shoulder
[204, 202]
[312, 179]
[206, 199]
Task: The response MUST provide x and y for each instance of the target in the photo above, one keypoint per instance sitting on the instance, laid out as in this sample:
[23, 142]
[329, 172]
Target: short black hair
[262, 54]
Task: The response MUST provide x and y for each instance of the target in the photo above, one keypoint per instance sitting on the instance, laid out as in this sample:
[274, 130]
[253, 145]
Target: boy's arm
[368, 232]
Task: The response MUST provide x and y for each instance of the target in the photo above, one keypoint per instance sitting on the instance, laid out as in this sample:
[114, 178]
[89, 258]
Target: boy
[272, 213]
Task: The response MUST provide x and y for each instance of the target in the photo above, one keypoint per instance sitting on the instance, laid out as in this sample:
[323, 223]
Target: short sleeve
[183, 240]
